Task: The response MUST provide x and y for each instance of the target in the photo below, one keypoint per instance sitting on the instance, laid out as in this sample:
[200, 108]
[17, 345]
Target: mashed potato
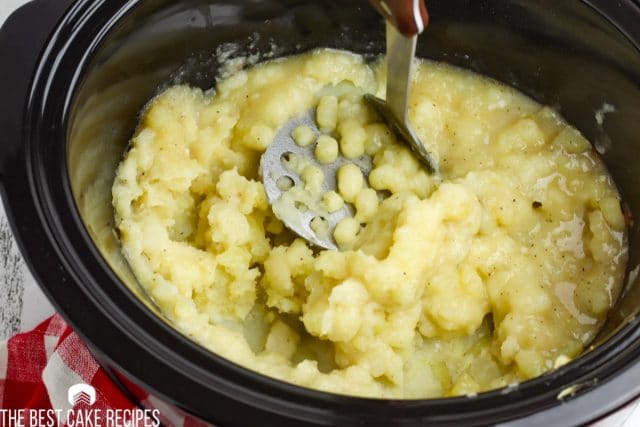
[498, 273]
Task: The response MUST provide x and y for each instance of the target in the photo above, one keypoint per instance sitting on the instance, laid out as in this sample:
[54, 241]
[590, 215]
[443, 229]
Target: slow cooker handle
[410, 17]
[22, 38]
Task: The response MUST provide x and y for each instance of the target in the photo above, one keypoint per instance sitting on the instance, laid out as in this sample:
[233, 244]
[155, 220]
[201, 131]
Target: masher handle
[410, 17]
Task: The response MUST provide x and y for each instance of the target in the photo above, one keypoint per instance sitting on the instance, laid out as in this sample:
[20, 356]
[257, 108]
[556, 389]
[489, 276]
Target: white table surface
[23, 305]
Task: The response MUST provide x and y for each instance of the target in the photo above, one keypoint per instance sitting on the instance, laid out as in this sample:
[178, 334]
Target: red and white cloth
[37, 368]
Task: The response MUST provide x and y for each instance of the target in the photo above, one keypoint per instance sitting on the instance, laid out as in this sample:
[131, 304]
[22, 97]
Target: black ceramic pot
[75, 75]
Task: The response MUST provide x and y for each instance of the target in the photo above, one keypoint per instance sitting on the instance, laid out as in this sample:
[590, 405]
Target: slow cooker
[76, 73]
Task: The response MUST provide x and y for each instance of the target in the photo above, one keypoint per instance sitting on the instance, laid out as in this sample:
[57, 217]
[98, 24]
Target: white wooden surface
[23, 306]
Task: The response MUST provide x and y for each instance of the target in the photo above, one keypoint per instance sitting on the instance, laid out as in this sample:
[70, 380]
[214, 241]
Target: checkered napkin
[38, 368]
